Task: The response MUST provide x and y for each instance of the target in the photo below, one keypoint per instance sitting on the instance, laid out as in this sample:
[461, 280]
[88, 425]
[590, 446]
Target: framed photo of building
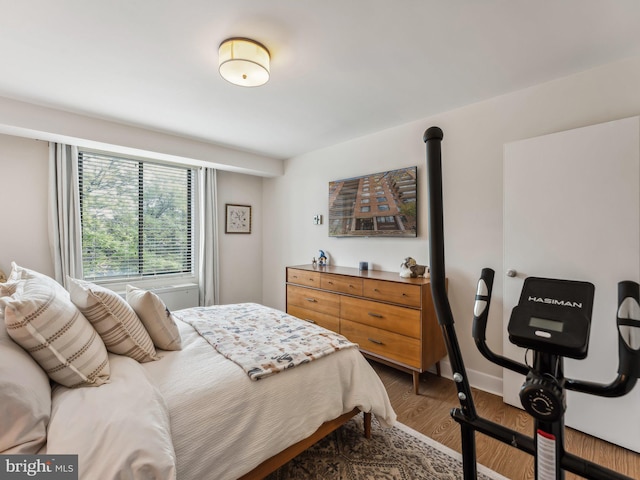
[237, 218]
[377, 205]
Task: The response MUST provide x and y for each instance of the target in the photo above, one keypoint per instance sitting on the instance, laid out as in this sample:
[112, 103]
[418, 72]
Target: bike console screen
[553, 316]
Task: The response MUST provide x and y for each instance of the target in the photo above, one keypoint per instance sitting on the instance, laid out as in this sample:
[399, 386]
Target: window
[136, 217]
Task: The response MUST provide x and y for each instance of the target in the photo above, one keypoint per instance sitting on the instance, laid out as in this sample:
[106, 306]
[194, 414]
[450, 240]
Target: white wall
[472, 153]
[240, 254]
[24, 232]
[23, 214]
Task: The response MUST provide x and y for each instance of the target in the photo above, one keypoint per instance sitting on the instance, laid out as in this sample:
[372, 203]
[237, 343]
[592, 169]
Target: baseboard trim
[479, 380]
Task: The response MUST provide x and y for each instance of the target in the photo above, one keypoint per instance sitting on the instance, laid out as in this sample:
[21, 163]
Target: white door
[572, 211]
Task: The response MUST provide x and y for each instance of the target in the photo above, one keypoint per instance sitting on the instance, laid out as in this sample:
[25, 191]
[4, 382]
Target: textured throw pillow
[56, 334]
[25, 396]
[116, 322]
[6, 290]
[19, 273]
[156, 318]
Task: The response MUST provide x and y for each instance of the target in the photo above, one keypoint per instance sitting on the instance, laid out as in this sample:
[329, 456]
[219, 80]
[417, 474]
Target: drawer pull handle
[311, 300]
[376, 290]
[310, 321]
[373, 340]
[375, 315]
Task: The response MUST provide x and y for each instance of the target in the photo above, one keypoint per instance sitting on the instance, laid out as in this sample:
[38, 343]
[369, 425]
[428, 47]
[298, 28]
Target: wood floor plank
[429, 413]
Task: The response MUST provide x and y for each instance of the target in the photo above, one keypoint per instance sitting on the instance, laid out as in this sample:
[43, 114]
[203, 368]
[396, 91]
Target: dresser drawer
[317, 300]
[402, 293]
[380, 342]
[405, 321]
[341, 283]
[325, 320]
[303, 277]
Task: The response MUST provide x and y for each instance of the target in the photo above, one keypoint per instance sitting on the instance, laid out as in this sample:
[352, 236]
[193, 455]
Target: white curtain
[208, 245]
[65, 236]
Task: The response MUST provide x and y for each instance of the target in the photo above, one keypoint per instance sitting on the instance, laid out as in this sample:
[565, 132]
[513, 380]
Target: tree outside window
[136, 217]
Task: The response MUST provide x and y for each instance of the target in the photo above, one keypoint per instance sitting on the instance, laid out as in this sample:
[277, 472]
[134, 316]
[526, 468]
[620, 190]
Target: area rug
[398, 453]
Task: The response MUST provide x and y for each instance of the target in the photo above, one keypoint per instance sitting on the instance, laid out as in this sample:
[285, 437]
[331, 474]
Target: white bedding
[119, 430]
[223, 424]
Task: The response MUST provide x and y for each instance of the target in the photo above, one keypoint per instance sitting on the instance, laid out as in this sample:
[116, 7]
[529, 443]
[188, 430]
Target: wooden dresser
[391, 318]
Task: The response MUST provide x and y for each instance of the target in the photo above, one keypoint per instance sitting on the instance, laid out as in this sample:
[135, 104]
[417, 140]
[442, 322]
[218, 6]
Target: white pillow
[116, 322]
[21, 273]
[120, 430]
[156, 318]
[56, 334]
[7, 288]
[25, 396]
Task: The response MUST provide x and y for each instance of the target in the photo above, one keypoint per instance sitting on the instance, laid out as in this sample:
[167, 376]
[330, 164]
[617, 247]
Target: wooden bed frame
[272, 464]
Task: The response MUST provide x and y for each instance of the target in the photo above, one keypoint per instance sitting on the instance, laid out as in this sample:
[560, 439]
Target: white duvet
[220, 425]
[224, 424]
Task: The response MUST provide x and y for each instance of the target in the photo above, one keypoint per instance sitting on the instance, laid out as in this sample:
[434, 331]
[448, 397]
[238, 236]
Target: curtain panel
[65, 235]
[208, 278]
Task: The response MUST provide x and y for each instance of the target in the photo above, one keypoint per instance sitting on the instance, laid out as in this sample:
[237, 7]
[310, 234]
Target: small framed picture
[238, 219]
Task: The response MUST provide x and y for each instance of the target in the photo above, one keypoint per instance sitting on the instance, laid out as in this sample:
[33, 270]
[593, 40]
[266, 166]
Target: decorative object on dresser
[410, 269]
[391, 318]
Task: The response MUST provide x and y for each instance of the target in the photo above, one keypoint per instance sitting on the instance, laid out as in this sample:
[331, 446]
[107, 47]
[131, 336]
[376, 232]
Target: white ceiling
[340, 68]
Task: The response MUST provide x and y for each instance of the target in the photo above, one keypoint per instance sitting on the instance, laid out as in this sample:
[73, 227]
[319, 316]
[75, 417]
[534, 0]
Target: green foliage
[134, 221]
[409, 209]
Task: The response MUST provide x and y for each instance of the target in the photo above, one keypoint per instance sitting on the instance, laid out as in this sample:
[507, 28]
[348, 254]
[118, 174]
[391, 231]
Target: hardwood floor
[428, 413]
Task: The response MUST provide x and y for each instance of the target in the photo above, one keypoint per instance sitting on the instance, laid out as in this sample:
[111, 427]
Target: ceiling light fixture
[244, 62]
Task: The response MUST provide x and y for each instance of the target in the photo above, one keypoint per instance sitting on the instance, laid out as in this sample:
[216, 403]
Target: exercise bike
[552, 320]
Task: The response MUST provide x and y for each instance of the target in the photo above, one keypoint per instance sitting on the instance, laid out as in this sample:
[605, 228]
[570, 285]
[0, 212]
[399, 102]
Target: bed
[188, 413]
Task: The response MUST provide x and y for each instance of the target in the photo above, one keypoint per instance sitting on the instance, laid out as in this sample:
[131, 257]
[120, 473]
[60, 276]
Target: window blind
[136, 217]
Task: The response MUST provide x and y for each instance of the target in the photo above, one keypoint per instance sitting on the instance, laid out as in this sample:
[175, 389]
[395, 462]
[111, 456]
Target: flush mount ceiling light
[244, 62]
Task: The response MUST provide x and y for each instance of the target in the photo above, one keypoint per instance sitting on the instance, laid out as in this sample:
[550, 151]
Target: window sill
[157, 285]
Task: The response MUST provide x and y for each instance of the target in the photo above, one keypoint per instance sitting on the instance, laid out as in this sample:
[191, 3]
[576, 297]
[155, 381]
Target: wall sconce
[244, 62]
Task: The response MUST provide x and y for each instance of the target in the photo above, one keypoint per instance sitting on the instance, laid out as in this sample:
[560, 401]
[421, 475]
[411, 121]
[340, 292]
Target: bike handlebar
[628, 323]
[479, 329]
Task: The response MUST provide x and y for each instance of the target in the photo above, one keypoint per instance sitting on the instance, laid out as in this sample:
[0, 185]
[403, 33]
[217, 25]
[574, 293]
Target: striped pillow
[6, 290]
[19, 273]
[54, 332]
[156, 318]
[116, 322]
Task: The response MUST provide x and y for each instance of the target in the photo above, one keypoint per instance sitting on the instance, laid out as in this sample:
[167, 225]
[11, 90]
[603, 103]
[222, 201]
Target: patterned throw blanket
[262, 340]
